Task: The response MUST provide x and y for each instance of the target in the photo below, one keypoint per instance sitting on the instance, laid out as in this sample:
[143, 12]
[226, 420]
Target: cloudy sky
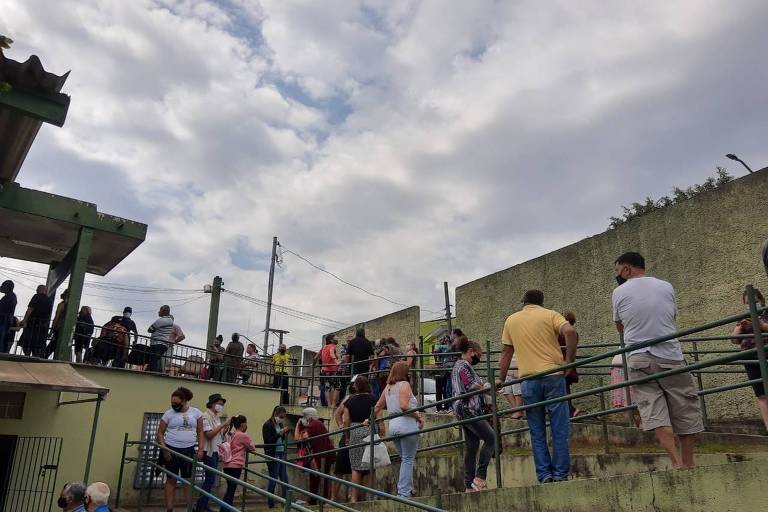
[396, 143]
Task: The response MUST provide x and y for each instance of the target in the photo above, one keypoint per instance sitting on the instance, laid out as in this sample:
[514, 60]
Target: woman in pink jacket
[240, 444]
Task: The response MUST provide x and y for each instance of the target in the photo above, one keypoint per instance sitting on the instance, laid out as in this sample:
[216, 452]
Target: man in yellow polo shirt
[281, 359]
[532, 335]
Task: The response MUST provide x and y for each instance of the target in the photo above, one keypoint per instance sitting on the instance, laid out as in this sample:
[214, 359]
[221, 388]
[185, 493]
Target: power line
[295, 313]
[338, 278]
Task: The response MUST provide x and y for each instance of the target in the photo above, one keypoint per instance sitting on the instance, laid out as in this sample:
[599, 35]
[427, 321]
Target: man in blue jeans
[532, 334]
[213, 430]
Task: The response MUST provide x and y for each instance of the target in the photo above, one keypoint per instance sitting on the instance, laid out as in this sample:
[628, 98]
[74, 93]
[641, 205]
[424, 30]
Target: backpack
[225, 452]
[115, 333]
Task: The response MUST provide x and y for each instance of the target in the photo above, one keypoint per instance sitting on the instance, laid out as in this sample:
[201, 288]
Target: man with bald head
[72, 497]
[97, 497]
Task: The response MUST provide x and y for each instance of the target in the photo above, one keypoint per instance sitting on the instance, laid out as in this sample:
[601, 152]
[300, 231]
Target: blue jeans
[406, 447]
[323, 400]
[279, 471]
[210, 479]
[556, 466]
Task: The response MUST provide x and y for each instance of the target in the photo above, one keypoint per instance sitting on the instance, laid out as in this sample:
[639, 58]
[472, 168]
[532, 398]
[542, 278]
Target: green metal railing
[495, 415]
[287, 502]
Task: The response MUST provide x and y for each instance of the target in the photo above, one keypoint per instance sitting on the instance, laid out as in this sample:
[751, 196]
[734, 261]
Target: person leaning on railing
[465, 379]
[160, 331]
[753, 369]
[213, 432]
[216, 359]
[644, 308]
[83, 332]
[232, 358]
[310, 427]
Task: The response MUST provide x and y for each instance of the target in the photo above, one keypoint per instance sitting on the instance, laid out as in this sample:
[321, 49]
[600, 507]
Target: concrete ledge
[733, 487]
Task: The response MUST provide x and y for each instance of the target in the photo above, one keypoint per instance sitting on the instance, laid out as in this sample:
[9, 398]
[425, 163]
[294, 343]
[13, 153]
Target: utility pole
[213, 315]
[269, 292]
[447, 307]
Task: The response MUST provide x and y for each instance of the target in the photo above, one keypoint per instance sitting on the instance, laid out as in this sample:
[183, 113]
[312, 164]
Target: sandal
[478, 484]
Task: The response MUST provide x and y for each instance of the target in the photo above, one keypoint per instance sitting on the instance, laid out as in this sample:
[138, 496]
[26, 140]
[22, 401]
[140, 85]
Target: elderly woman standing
[357, 412]
[314, 431]
[397, 397]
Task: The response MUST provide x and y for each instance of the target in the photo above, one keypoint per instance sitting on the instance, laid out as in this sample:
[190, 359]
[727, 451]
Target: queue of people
[77, 497]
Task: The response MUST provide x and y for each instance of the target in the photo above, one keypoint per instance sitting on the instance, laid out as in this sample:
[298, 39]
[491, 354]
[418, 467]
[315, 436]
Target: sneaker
[547, 480]
[560, 479]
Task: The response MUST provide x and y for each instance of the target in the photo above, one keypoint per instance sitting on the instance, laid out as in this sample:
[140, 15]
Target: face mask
[620, 280]
[218, 408]
[127, 315]
[475, 359]
[176, 407]
[62, 502]
[282, 351]
[279, 419]
[305, 421]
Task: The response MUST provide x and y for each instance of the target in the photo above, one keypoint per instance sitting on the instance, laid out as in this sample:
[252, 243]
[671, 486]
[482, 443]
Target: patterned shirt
[463, 378]
[281, 361]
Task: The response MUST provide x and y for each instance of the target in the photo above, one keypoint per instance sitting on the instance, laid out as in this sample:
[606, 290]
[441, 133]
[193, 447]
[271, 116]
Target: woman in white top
[181, 428]
[398, 397]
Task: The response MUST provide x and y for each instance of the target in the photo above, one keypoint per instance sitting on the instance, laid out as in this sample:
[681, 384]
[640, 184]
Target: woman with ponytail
[240, 444]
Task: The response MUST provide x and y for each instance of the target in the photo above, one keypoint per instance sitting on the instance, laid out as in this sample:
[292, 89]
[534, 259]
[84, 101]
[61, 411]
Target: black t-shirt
[7, 308]
[129, 324]
[42, 307]
[360, 349]
[359, 407]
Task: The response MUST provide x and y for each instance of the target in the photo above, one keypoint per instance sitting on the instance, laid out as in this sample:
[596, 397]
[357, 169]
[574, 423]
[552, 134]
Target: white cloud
[400, 143]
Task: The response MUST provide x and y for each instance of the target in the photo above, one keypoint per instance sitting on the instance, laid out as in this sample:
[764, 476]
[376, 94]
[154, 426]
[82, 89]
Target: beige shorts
[668, 402]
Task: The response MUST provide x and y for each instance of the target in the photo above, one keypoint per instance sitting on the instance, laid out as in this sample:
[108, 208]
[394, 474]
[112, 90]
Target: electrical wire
[338, 278]
[294, 313]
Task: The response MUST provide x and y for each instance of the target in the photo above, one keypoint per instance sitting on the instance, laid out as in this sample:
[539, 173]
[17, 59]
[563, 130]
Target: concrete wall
[131, 395]
[708, 247]
[402, 325]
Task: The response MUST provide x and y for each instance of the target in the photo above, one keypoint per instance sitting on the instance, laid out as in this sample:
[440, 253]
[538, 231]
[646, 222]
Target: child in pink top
[240, 443]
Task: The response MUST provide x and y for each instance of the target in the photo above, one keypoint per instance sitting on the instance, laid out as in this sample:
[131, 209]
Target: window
[12, 405]
[147, 473]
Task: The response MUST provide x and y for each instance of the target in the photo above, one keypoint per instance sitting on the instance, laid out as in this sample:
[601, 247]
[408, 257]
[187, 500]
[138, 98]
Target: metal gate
[34, 463]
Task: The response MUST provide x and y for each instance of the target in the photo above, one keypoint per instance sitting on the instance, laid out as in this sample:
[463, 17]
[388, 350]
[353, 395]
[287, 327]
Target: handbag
[380, 454]
[303, 451]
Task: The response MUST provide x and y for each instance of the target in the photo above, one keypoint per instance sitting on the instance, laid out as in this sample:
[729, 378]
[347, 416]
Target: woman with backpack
[234, 452]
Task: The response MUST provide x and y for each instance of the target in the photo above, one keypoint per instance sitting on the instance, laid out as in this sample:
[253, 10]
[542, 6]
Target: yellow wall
[131, 395]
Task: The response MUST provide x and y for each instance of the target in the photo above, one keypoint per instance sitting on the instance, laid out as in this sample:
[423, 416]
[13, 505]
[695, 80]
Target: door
[30, 477]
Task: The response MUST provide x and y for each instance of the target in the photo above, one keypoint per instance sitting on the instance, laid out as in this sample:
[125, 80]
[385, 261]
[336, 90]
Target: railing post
[145, 469]
[496, 429]
[421, 372]
[311, 389]
[245, 479]
[603, 421]
[191, 503]
[758, 335]
[488, 362]
[373, 447]
[627, 392]
[122, 467]
[288, 498]
[700, 383]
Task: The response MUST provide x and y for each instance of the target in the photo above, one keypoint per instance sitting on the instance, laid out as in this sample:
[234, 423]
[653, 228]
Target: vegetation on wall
[679, 195]
[5, 43]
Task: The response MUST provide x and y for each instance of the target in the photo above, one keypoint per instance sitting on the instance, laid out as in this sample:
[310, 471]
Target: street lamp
[737, 159]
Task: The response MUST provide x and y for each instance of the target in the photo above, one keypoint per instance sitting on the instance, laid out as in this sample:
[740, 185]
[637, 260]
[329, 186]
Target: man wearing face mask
[71, 497]
[97, 497]
[273, 432]
[281, 360]
[532, 334]
[130, 324]
[213, 431]
[644, 308]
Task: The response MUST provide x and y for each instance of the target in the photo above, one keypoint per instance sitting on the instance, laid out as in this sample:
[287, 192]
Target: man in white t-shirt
[644, 308]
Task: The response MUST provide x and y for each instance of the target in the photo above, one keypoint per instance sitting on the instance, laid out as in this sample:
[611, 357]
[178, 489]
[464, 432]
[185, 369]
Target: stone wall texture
[708, 247]
[402, 325]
